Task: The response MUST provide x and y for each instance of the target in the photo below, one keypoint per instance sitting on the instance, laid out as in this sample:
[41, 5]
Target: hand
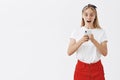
[84, 38]
[91, 37]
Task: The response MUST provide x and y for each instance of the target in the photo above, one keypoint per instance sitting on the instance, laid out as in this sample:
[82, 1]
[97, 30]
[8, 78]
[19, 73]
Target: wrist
[92, 40]
[81, 42]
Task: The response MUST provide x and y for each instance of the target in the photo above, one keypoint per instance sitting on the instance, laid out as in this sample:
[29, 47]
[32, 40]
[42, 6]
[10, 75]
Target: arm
[102, 47]
[73, 45]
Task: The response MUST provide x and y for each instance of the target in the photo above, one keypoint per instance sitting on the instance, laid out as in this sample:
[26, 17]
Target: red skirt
[93, 71]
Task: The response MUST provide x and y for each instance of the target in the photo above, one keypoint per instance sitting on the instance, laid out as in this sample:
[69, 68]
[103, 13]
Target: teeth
[88, 21]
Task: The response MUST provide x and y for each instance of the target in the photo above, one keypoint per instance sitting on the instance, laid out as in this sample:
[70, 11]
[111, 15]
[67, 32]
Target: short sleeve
[104, 36]
[73, 34]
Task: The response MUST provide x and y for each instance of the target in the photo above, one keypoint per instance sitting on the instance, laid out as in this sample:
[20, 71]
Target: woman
[89, 42]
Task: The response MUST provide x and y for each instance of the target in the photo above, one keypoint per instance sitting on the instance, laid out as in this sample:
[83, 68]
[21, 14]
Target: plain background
[34, 36]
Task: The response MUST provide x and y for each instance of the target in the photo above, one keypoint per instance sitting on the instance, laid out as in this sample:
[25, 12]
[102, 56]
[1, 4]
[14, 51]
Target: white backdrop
[34, 36]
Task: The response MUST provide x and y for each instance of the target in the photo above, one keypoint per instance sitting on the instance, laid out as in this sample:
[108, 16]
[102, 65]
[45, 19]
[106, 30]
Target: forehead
[89, 10]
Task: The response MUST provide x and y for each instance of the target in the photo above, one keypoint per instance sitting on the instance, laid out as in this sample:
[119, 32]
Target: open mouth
[89, 21]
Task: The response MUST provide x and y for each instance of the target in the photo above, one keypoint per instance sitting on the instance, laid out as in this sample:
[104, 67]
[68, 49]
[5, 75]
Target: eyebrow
[90, 13]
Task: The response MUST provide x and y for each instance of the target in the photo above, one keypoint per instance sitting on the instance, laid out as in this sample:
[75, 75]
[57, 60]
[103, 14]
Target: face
[88, 16]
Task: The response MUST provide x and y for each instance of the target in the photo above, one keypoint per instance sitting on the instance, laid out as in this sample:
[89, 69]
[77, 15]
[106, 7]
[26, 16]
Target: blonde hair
[95, 23]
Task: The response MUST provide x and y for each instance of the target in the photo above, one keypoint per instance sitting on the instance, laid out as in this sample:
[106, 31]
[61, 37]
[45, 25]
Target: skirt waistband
[83, 63]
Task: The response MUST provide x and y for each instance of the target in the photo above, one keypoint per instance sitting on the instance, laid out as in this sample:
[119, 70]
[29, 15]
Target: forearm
[101, 48]
[74, 47]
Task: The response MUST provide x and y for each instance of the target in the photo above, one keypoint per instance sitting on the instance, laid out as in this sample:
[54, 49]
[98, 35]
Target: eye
[91, 15]
[85, 14]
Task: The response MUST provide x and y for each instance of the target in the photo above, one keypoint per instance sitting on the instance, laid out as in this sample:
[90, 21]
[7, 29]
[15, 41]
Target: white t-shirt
[87, 52]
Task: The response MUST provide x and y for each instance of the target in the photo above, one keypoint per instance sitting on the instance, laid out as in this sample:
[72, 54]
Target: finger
[91, 34]
[86, 39]
[85, 36]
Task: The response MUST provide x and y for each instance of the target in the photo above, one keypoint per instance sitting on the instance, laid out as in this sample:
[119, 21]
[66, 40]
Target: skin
[88, 15]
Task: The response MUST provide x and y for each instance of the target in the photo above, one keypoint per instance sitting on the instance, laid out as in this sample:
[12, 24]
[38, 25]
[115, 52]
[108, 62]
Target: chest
[96, 35]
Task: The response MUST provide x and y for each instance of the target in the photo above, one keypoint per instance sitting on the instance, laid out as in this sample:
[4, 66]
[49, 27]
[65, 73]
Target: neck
[89, 26]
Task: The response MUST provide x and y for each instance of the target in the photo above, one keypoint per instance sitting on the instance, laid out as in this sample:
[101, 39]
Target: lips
[88, 21]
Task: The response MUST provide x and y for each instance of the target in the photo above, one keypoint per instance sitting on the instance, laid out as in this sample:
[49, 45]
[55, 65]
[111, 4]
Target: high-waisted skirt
[93, 71]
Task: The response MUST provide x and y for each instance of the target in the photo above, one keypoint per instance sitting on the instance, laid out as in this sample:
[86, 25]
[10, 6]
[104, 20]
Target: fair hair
[92, 7]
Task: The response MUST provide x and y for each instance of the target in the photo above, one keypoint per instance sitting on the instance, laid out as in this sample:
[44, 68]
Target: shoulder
[77, 30]
[101, 30]
[102, 33]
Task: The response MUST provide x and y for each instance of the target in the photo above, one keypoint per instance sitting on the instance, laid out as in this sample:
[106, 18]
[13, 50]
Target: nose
[88, 16]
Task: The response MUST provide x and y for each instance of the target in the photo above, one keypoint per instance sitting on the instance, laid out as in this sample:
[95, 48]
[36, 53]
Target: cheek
[84, 17]
[93, 18]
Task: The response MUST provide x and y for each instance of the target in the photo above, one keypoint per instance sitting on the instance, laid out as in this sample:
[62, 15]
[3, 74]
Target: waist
[83, 63]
